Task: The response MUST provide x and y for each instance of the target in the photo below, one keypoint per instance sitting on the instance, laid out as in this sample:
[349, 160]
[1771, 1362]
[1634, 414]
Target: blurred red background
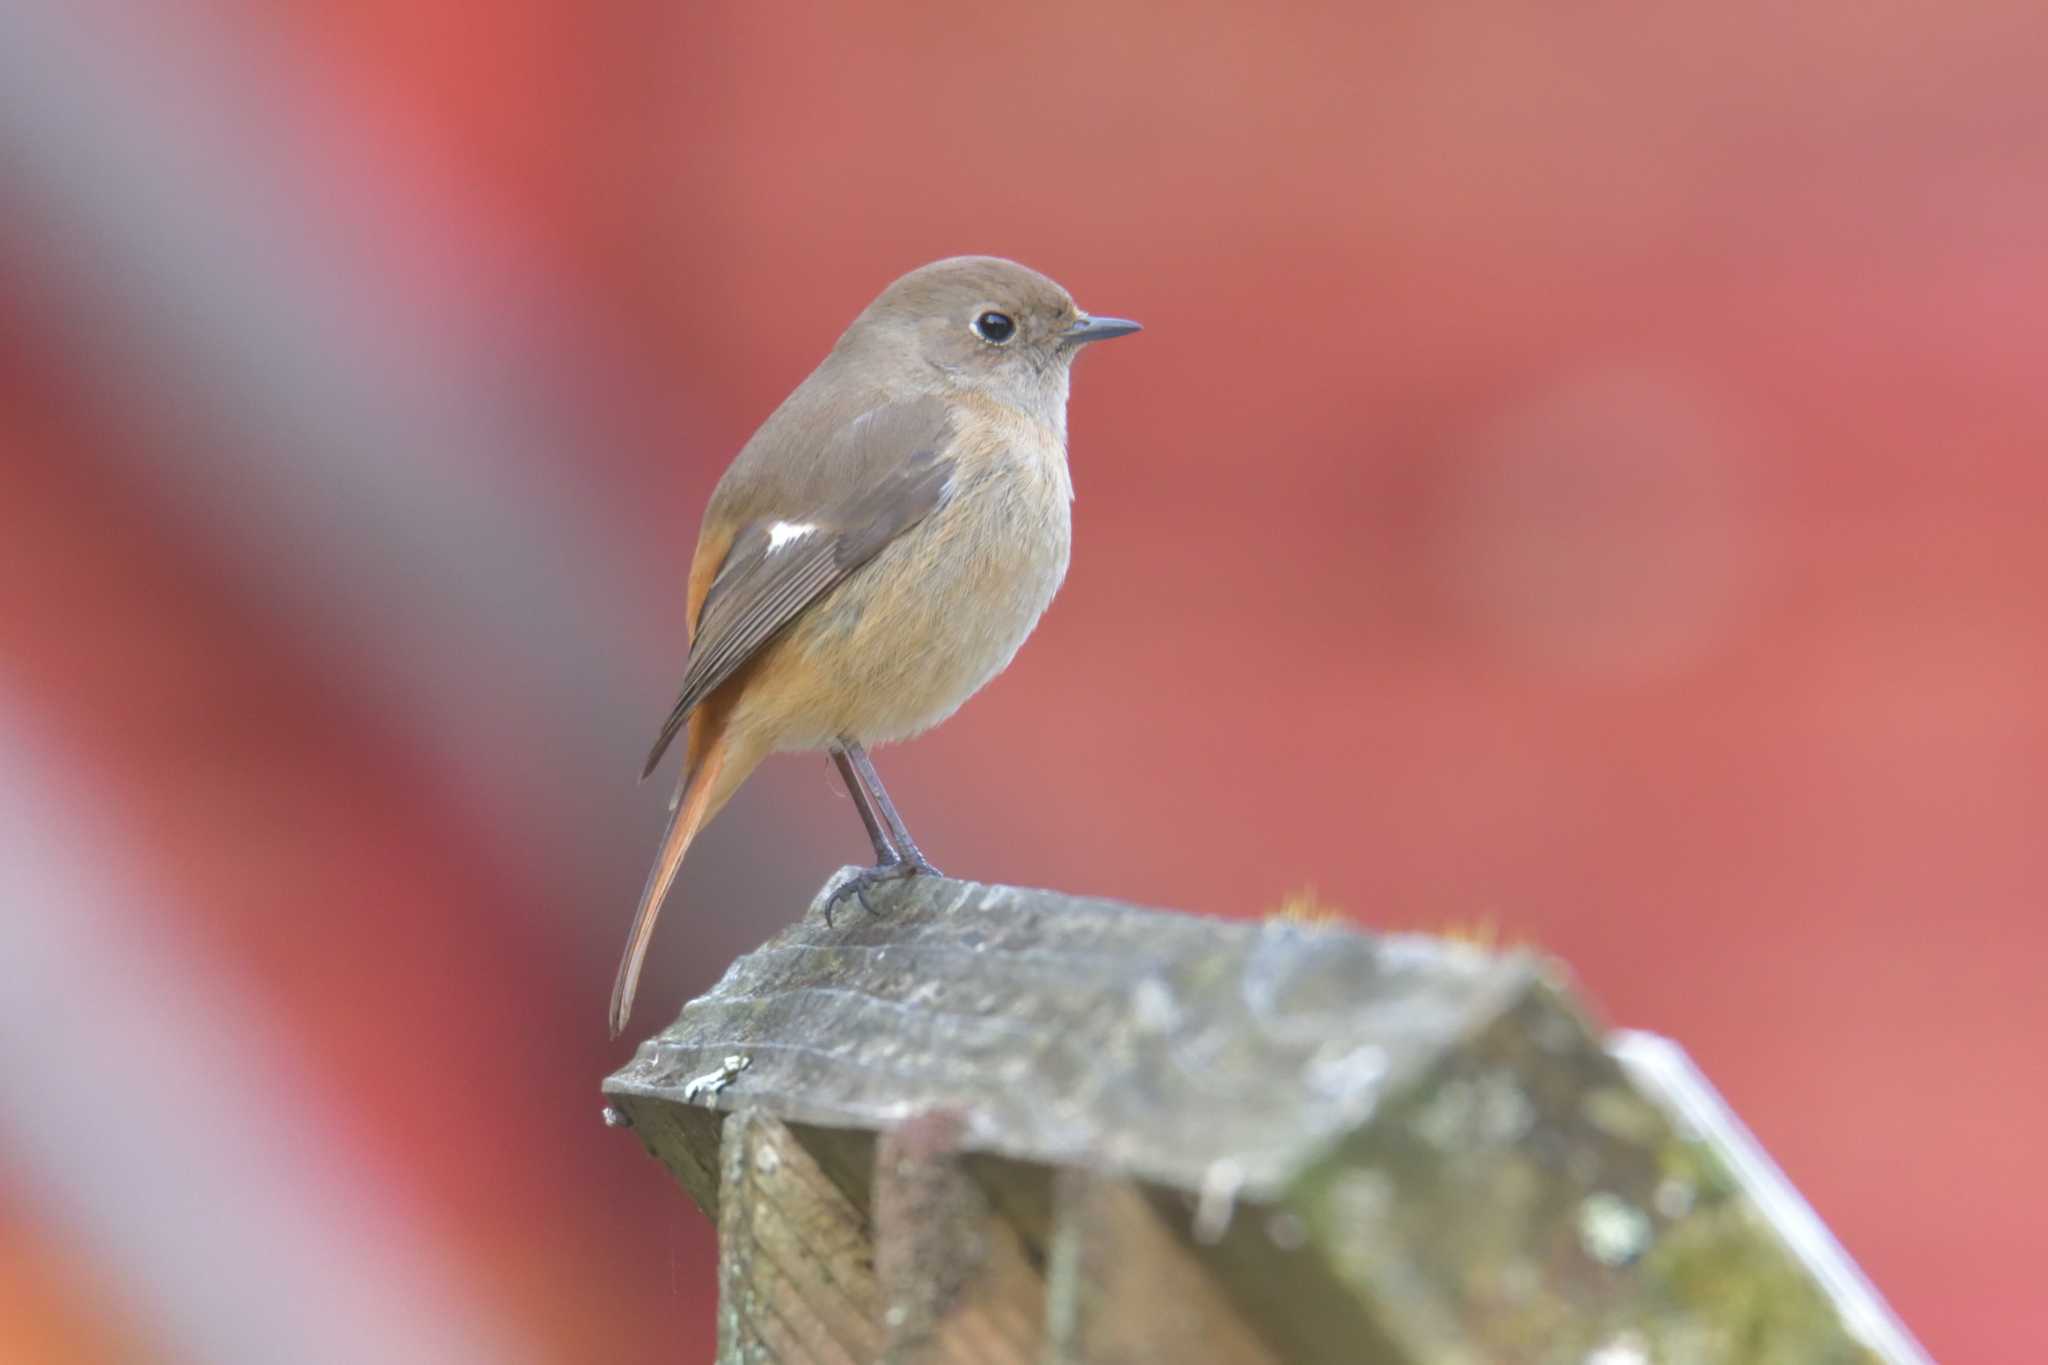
[1583, 471]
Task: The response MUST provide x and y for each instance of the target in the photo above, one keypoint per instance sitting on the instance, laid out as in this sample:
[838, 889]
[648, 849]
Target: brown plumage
[877, 551]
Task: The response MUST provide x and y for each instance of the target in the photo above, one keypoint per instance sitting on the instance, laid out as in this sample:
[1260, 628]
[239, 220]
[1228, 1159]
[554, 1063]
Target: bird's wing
[785, 559]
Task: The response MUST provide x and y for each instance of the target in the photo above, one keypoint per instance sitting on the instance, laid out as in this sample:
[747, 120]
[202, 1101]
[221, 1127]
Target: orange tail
[692, 810]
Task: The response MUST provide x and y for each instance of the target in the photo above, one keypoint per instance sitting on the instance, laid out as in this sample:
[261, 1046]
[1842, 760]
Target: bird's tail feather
[692, 809]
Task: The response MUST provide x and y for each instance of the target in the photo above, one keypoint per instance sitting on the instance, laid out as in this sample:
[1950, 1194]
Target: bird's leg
[885, 851]
[897, 855]
[889, 863]
[899, 834]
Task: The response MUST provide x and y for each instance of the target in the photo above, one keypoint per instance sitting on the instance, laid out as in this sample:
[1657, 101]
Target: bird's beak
[1088, 329]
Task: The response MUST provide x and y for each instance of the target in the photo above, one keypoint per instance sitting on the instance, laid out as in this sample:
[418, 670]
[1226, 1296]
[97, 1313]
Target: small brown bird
[878, 551]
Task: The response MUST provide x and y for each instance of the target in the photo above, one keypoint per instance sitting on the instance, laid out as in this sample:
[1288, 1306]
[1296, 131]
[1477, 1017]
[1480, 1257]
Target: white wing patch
[783, 532]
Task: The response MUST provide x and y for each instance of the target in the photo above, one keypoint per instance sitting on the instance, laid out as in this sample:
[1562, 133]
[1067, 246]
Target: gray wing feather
[763, 586]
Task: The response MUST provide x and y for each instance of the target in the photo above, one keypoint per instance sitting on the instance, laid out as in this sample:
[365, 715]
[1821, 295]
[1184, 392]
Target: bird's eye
[995, 327]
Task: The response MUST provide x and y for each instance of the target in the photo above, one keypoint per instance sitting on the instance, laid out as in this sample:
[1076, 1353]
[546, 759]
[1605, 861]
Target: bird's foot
[860, 883]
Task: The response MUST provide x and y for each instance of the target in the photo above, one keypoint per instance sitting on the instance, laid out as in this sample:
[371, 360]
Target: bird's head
[983, 323]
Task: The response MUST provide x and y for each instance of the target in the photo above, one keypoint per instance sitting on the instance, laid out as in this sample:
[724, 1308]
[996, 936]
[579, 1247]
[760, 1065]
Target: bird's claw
[860, 883]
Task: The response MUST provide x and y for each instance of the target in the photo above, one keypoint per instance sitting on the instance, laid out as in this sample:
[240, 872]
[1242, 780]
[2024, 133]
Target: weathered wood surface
[1070, 1030]
[795, 1281]
[1126, 1288]
[957, 1282]
[1070, 1130]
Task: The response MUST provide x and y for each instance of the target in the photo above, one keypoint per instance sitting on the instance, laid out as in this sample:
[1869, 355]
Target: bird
[877, 552]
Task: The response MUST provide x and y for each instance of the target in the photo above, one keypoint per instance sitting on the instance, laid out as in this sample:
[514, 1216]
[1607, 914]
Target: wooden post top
[1366, 1147]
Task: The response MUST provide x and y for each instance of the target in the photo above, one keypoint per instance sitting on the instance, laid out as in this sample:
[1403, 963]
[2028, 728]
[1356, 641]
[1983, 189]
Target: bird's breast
[943, 609]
